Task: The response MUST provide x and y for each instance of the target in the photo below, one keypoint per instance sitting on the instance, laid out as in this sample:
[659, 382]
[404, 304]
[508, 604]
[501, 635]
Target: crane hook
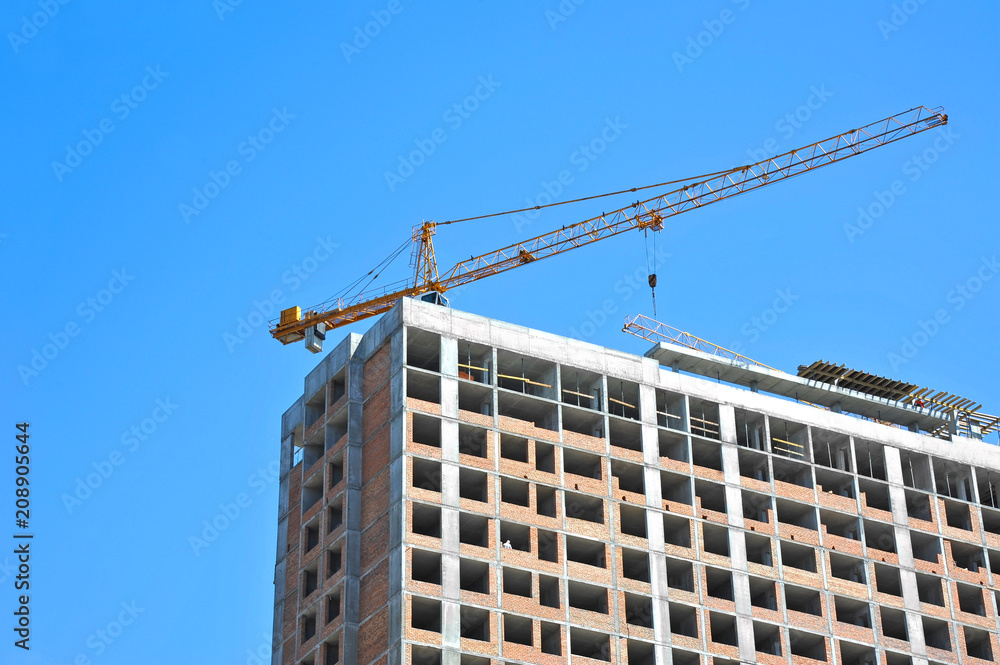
[652, 289]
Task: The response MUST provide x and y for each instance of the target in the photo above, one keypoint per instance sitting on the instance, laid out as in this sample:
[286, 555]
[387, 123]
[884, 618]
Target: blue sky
[170, 171]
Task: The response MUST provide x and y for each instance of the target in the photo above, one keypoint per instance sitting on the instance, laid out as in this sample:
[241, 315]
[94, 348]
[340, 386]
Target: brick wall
[373, 635]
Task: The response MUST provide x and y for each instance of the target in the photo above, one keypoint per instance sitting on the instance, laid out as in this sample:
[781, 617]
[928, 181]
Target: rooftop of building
[688, 370]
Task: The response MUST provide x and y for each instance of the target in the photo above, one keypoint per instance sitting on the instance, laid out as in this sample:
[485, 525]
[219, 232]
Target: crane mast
[642, 214]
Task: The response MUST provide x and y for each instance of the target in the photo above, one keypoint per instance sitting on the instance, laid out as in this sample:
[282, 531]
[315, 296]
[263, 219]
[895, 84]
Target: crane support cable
[647, 214]
[590, 198]
[374, 273]
[698, 194]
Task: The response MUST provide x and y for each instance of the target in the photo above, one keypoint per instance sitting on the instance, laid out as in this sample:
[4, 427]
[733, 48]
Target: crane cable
[385, 264]
[650, 265]
[595, 196]
[652, 275]
[377, 270]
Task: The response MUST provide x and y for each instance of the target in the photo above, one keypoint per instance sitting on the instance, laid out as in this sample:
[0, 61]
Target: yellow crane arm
[646, 214]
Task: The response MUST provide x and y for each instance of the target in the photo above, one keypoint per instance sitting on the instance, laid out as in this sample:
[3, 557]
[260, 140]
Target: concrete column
[451, 639]
[953, 424]
[904, 549]
[397, 475]
[494, 400]
[685, 422]
[654, 525]
[737, 544]
[352, 537]
[285, 461]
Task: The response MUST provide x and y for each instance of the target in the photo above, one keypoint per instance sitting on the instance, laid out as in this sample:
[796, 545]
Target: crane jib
[295, 325]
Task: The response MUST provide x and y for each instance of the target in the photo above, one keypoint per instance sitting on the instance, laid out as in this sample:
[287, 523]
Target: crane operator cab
[435, 298]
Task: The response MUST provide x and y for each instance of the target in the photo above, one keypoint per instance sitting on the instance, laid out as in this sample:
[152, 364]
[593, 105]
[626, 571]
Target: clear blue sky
[117, 114]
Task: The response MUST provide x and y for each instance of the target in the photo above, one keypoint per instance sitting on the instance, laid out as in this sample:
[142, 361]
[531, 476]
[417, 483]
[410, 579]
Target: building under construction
[463, 491]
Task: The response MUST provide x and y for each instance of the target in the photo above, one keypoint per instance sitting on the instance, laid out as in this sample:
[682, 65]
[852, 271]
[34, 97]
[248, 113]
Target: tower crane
[430, 283]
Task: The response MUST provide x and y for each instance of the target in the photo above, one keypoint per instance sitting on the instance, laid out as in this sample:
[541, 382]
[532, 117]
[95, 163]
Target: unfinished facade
[462, 491]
